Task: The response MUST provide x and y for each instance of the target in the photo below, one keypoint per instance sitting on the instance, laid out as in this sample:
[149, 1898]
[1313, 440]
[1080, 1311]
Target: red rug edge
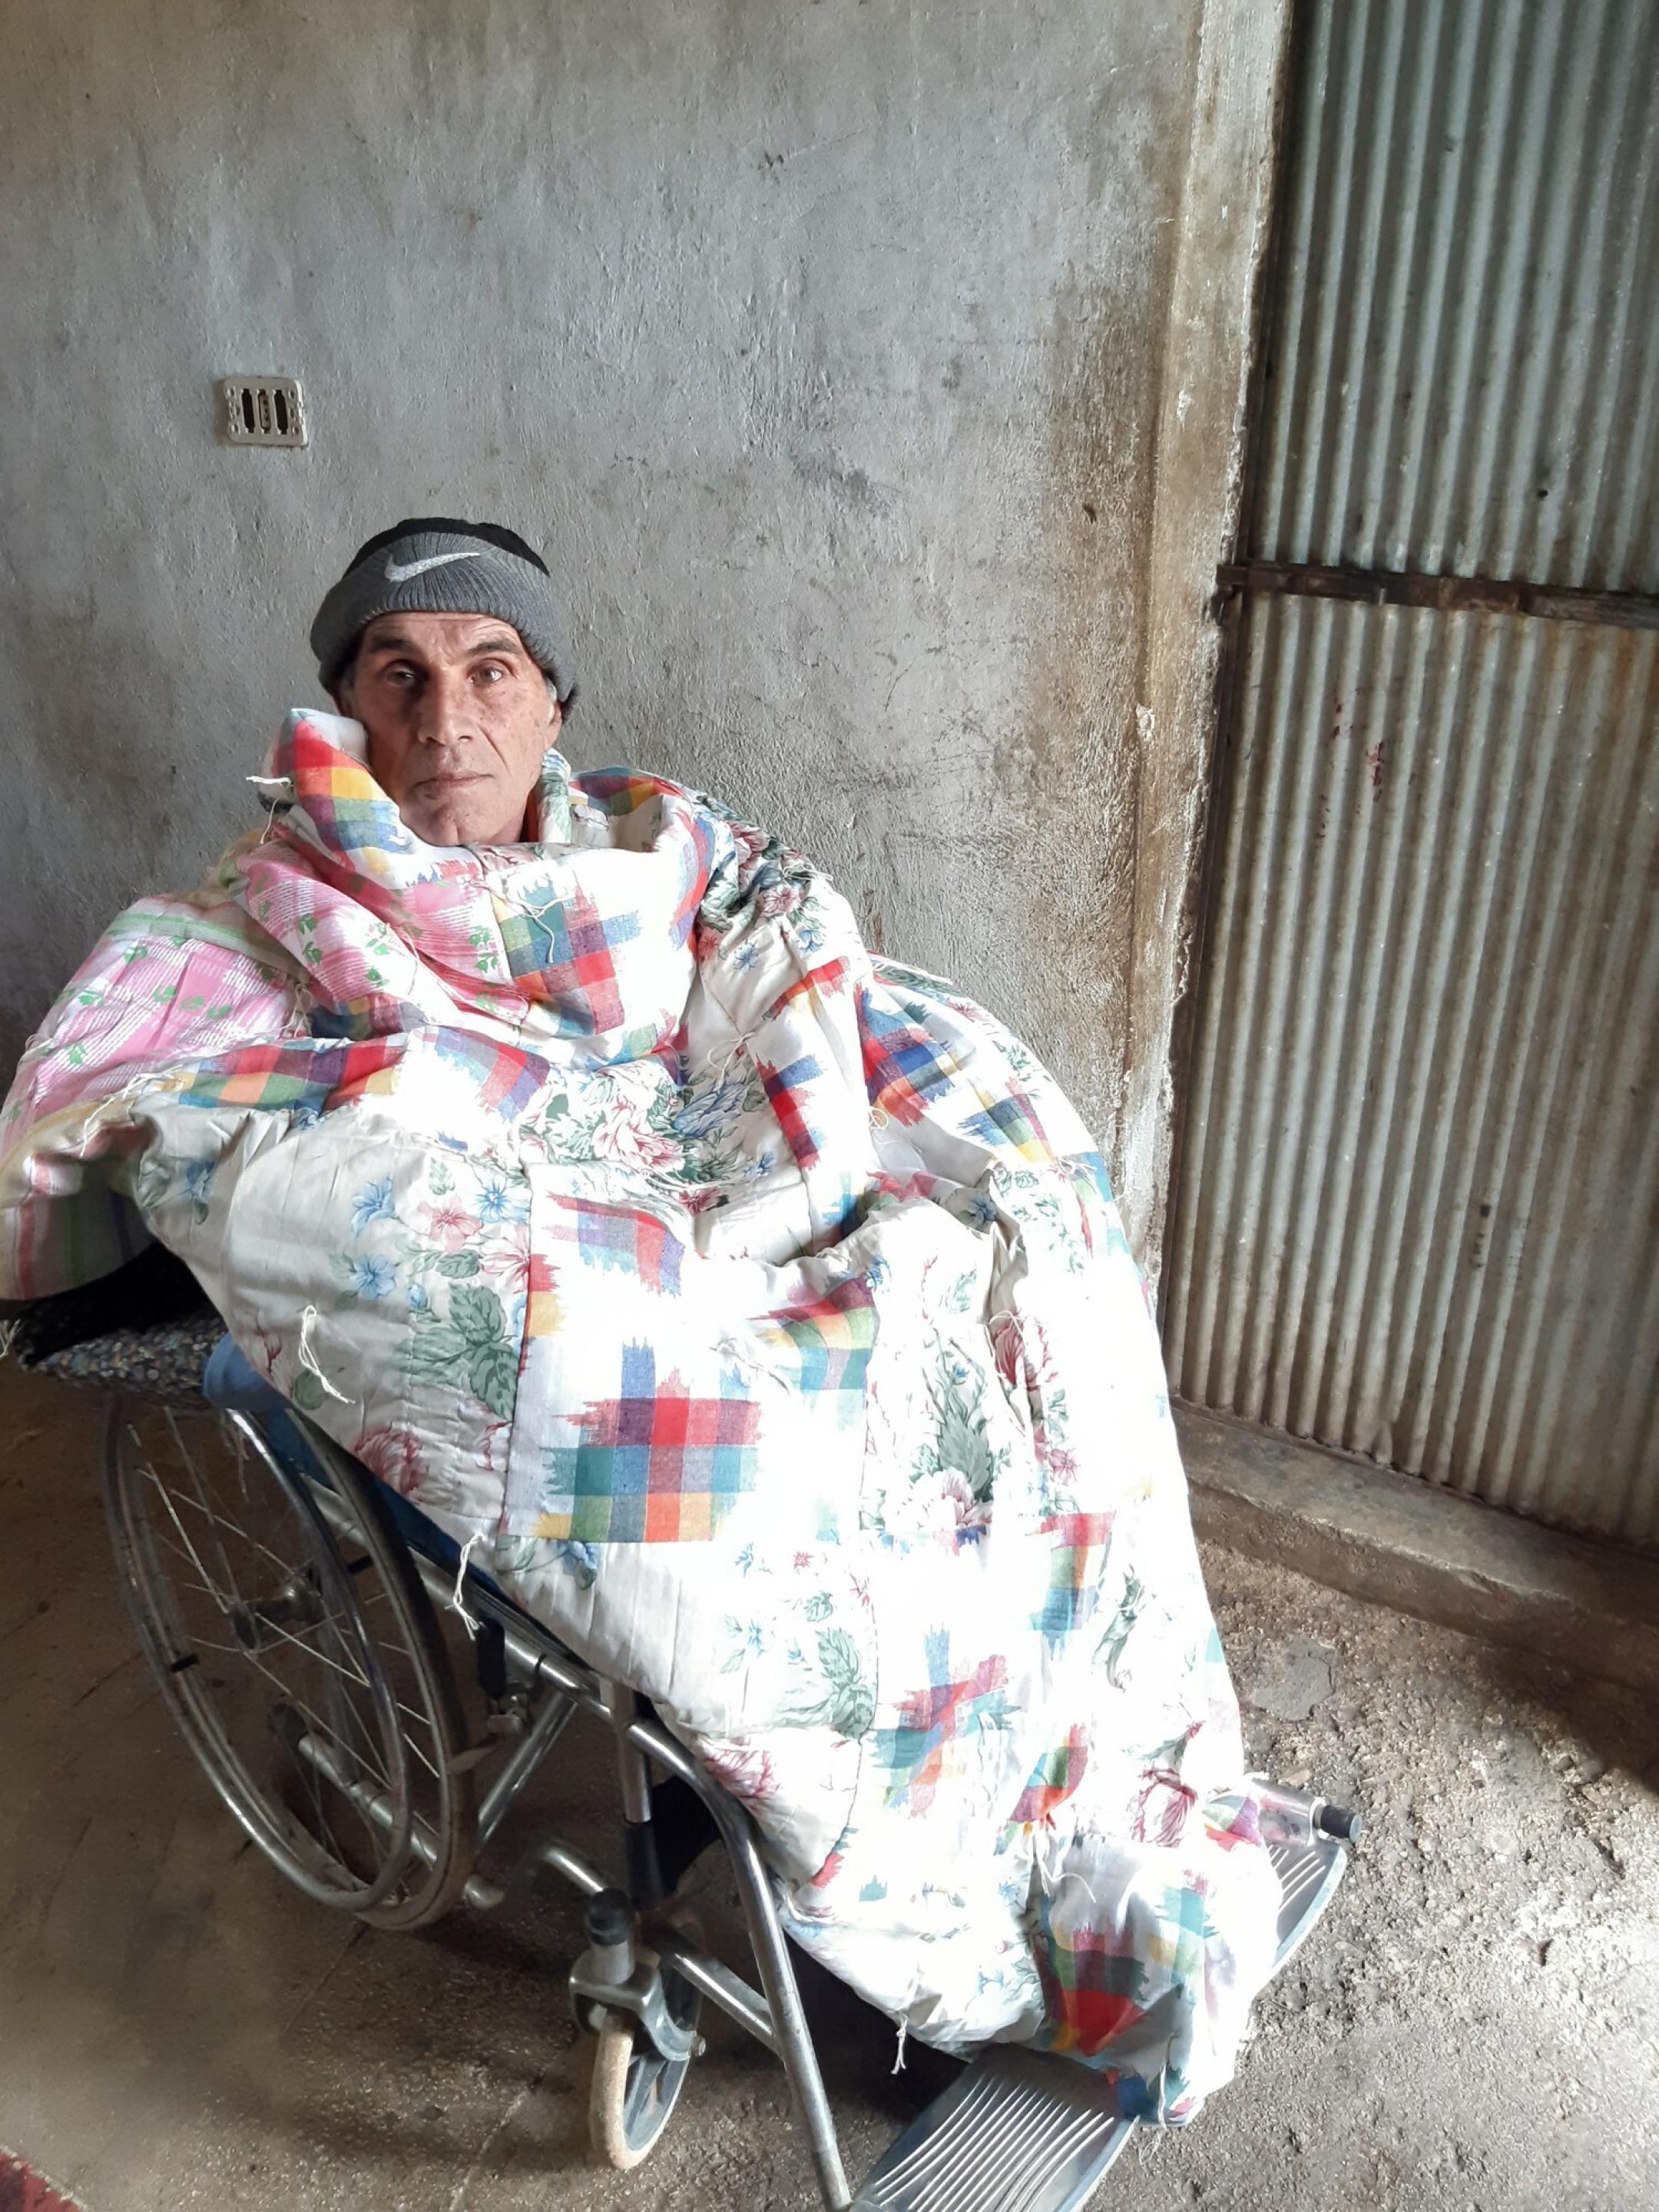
[22, 2189]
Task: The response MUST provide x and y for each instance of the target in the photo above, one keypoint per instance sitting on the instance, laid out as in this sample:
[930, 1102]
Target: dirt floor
[1474, 2024]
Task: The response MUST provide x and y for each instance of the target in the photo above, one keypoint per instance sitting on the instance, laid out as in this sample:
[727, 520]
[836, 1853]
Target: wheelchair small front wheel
[632, 2089]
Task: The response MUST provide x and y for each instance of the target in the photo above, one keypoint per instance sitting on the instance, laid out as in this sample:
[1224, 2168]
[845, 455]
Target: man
[444, 640]
[754, 1310]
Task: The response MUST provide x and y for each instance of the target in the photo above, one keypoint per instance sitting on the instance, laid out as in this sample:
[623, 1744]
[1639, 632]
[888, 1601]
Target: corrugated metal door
[1417, 1213]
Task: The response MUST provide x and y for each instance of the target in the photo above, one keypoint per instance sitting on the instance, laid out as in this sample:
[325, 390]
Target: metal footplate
[1020, 2132]
[1308, 1876]
[1017, 2131]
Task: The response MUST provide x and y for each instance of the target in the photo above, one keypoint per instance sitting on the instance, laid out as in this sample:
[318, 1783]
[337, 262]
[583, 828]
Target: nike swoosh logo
[395, 574]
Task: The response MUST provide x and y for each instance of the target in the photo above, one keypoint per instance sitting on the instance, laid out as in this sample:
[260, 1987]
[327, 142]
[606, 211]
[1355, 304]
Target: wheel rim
[250, 1614]
[411, 1646]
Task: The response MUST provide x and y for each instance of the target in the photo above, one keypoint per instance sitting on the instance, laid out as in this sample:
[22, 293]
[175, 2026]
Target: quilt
[756, 1310]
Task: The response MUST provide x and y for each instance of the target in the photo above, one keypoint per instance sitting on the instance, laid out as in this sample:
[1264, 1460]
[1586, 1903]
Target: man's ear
[554, 716]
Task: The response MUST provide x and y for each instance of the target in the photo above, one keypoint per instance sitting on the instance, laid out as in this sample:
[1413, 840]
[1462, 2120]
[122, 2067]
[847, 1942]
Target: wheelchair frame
[627, 1982]
[773, 2014]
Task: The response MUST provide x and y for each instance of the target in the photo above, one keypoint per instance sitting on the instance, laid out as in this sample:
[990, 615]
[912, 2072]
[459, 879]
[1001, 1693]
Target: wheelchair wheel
[299, 1653]
[632, 2089]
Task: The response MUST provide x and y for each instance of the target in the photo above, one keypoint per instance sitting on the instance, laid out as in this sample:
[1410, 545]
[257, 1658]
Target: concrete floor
[1475, 2025]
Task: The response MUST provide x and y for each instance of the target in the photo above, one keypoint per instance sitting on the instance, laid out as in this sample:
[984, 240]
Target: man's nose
[444, 715]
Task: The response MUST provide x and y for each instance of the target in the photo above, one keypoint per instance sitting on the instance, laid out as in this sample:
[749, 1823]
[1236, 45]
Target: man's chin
[458, 824]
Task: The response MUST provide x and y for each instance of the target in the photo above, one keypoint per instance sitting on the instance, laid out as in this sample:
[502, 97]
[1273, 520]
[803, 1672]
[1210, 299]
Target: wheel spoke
[380, 1597]
[292, 1697]
[221, 1521]
[351, 1673]
[338, 1634]
[190, 1560]
[297, 1643]
[166, 1497]
[314, 1780]
[184, 1454]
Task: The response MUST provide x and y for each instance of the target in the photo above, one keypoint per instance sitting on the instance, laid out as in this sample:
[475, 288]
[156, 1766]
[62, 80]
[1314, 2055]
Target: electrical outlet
[263, 410]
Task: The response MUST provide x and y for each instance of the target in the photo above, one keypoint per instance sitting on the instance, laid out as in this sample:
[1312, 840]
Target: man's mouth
[450, 780]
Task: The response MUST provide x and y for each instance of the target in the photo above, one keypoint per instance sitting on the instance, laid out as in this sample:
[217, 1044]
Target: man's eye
[492, 673]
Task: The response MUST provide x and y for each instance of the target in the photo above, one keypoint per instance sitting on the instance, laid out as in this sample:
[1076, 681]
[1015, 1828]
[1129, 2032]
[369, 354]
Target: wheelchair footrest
[1017, 2131]
[1308, 1876]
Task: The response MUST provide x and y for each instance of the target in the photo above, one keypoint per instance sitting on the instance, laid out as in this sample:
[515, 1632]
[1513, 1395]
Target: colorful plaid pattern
[784, 1087]
[1078, 1544]
[833, 1326]
[831, 1336]
[1011, 1122]
[351, 813]
[1231, 1825]
[913, 1753]
[655, 1465]
[1088, 1170]
[1101, 1983]
[544, 1308]
[615, 791]
[695, 877]
[813, 991]
[1095, 1986]
[903, 1063]
[517, 926]
[308, 1076]
[622, 1239]
[570, 946]
[314, 1076]
[506, 1079]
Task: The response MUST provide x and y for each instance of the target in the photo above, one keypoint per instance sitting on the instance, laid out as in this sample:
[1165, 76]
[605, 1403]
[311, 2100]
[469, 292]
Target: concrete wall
[869, 373]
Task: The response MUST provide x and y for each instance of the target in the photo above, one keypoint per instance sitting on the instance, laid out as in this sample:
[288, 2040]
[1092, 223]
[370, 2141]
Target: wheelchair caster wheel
[632, 2089]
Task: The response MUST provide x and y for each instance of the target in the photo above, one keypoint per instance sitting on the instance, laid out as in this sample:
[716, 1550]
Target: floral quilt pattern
[757, 1309]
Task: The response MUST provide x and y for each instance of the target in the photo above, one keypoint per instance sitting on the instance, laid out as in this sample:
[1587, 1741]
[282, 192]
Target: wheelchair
[288, 1601]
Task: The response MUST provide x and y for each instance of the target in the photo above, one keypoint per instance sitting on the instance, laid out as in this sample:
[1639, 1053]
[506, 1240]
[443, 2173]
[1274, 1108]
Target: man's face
[458, 716]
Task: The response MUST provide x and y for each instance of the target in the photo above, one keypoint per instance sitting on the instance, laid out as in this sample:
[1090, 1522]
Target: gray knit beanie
[434, 565]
